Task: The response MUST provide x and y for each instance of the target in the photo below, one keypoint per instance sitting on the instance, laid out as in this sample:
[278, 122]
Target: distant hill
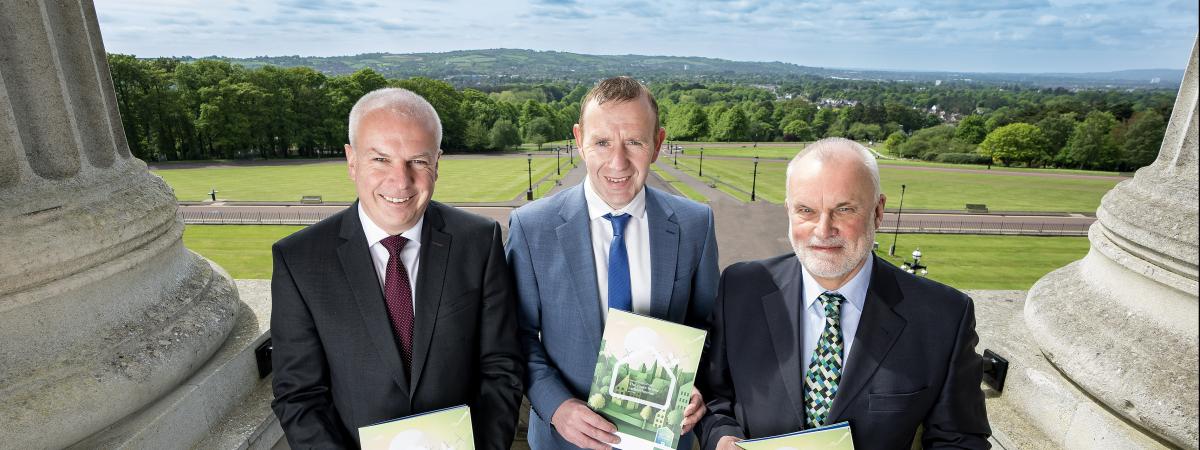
[506, 66]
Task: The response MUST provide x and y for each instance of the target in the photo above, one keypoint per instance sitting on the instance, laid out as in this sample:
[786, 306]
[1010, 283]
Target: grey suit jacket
[337, 362]
[913, 362]
[549, 249]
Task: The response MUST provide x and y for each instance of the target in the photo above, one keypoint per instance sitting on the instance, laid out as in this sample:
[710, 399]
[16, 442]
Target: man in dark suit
[396, 305]
[833, 333]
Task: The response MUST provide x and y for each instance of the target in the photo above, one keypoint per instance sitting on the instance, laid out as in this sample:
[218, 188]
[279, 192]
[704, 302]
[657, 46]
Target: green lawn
[243, 250]
[986, 262]
[962, 261]
[492, 179]
[927, 189]
[680, 186]
[788, 150]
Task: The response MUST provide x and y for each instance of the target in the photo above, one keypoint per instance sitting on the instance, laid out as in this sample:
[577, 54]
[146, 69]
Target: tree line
[212, 109]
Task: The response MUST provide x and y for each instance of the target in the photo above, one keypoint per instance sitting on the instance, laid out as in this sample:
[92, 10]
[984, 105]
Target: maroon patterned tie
[398, 293]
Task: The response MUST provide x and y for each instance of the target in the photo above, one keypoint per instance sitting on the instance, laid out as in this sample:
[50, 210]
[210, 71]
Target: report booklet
[444, 429]
[643, 379]
[829, 437]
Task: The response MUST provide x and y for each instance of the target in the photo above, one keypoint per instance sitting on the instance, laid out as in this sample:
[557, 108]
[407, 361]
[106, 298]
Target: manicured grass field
[965, 262]
[927, 189]
[986, 262]
[491, 179]
[243, 250]
[789, 150]
[680, 186]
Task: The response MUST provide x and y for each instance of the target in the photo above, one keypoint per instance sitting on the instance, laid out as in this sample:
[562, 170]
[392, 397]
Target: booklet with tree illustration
[444, 429]
[829, 437]
[643, 379]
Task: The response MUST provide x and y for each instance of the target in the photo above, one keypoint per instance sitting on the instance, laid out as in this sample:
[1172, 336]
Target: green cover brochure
[444, 429]
[829, 437]
[643, 379]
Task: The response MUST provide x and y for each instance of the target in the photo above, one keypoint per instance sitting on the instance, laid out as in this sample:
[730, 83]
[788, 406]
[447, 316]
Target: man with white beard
[832, 333]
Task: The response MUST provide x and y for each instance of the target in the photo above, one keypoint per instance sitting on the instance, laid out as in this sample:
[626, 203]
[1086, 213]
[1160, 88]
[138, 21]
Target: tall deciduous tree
[1016, 142]
[1092, 143]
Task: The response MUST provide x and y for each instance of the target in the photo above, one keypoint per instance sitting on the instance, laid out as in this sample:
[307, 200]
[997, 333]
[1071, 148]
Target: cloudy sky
[968, 35]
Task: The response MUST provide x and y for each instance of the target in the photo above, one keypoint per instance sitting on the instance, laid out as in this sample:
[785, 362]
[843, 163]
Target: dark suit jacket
[337, 362]
[913, 362]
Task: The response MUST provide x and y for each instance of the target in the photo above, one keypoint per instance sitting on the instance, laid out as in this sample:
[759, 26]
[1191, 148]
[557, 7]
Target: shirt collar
[375, 234]
[855, 290]
[597, 208]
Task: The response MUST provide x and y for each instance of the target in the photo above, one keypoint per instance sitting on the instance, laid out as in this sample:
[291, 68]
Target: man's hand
[694, 411]
[727, 443]
[579, 425]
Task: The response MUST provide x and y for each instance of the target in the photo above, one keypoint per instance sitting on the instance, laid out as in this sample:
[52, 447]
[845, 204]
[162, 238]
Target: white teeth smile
[396, 199]
[616, 180]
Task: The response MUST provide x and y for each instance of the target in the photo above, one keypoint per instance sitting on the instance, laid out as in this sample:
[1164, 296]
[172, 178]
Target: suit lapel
[782, 326]
[575, 237]
[356, 264]
[878, 330]
[431, 276]
[664, 253]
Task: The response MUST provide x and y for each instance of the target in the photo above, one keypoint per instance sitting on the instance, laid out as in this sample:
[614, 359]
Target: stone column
[1121, 324]
[102, 309]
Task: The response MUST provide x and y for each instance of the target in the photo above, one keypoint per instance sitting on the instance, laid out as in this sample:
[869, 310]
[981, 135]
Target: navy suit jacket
[549, 249]
[913, 362]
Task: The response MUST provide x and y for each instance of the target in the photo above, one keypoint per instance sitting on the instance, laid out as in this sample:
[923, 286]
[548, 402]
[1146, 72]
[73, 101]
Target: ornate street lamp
[915, 266]
[754, 179]
[529, 160]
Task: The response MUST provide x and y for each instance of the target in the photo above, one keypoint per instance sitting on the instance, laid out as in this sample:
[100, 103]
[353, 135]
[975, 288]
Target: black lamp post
[557, 165]
[701, 162]
[915, 266]
[529, 160]
[896, 234]
[754, 180]
[675, 154]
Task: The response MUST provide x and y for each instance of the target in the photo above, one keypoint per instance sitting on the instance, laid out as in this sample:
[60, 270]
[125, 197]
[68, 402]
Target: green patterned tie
[825, 371]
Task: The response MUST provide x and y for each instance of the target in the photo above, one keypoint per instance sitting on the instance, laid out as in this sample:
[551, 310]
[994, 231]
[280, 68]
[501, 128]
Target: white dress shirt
[380, 255]
[855, 292]
[637, 246]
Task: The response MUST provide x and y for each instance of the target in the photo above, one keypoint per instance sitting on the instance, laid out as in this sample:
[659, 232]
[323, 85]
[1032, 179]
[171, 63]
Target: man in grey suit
[833, 333]
[609, 242]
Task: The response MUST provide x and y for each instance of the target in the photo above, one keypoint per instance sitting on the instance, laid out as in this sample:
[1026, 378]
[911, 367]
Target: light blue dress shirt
[855, 292]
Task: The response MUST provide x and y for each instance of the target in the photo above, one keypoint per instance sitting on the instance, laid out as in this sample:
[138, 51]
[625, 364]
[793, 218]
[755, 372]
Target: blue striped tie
[619, 292]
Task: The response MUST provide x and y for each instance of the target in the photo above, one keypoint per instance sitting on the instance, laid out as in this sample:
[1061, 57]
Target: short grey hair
[399, 101]
[829, 148]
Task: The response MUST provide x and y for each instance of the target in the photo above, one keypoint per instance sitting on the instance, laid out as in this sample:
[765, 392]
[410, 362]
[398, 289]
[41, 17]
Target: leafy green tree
[971, 130]
[894, 140]
[1092, 143]
[538, 131]
[504, 135]
[687, 122]
[798, 130]
[1143, 139]
[1017, 142]
[733, 126]
[864, 131]
[476, 137]
[1057, 128]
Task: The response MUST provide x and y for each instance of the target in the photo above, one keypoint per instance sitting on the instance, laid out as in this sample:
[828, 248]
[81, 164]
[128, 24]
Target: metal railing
[990, 227]
[940, 226]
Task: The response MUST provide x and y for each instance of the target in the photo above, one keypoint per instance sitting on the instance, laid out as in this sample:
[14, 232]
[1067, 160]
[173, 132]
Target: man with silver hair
[833, 333]
[397, 305]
